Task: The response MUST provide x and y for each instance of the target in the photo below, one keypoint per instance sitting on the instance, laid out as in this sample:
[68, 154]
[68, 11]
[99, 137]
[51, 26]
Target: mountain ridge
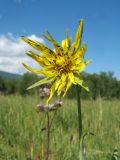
[8, 75]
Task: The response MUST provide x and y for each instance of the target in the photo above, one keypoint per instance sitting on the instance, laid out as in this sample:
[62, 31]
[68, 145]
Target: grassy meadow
[22, 136]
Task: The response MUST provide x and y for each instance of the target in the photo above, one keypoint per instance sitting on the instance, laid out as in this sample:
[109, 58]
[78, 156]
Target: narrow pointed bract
[62, 66]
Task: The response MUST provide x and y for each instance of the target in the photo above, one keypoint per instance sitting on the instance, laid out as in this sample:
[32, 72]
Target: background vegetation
[22, 129]
[103, 85]
[22, 125]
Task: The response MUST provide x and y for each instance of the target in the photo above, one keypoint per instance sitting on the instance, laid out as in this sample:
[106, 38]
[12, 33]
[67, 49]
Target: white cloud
[12, 53]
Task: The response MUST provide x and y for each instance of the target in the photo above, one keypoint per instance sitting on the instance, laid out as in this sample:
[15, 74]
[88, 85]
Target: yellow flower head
[62, 66]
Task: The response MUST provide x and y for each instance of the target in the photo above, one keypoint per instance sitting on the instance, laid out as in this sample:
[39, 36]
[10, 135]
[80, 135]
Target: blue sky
[32, 17]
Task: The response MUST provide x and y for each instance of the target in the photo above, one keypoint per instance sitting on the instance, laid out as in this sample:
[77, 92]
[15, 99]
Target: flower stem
[48, 136]
[49, 125]
[79, 114]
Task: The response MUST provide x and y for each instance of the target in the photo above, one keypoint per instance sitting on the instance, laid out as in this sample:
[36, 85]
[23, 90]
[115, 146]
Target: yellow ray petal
[36, 57]
[87, 62]
[79, 54]
[47, 57]
[53, 89]
[59, 51]
[39, 46]
[62, 83]
[66, 43]
[84, 47]
[50, 72]
[78, 37]
[51, 39]
[78, 58]
[37, 71]
[69, 82]
[71, 77]
[81, 66]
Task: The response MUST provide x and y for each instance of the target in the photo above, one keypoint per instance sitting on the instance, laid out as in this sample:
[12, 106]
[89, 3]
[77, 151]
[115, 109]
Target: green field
[22, 137]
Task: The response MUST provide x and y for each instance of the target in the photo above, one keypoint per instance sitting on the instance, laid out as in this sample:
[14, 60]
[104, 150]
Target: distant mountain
[7, 75]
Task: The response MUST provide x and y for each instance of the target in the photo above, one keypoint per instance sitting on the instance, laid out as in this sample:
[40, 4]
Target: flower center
[60, 61]
[63, 64]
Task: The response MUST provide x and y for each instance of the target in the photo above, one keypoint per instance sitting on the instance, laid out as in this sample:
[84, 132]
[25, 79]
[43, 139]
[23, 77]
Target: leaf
[80, 81]
[81, 151]
[115, 155]
[43, 81]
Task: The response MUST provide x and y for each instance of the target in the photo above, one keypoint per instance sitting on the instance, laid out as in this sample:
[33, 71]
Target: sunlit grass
[22, 136]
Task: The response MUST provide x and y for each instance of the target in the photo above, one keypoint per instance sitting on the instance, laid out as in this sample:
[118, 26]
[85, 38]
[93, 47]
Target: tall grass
[22, 129]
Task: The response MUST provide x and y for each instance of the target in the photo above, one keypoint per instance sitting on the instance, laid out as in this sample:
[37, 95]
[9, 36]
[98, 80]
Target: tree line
[103, 85]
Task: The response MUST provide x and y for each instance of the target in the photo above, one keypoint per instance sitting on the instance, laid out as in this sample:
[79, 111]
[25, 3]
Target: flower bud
[41, 106]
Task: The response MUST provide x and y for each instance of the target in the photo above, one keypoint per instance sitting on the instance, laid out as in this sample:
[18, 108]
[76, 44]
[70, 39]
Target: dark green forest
[103, 85]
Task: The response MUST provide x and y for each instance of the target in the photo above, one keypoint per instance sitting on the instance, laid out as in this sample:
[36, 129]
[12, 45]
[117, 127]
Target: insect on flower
[61, 66]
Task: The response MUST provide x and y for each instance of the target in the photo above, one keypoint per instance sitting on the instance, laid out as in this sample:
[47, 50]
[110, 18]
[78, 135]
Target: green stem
[79, 113]
[53, 118]
[49, 125]
[48, 136]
